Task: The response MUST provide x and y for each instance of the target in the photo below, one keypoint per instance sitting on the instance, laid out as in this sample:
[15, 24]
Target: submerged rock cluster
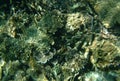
[59, 40]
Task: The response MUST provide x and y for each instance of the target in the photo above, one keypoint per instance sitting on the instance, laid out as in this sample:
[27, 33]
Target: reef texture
[59, 40]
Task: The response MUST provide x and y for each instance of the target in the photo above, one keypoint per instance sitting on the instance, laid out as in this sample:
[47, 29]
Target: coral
[51, 21]
[75, 20]
[106, 55]
[108, 12]
[99, 76]
[59, 40]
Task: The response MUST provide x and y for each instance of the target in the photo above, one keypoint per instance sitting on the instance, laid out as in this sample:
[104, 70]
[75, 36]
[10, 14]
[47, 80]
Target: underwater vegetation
[59, 40]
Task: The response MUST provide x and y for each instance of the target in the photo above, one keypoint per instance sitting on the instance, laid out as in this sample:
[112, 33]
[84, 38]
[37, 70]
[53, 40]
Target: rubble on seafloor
[60, 40]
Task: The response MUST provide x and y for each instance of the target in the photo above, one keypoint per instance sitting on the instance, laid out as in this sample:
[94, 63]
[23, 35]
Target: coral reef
[59, 40]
